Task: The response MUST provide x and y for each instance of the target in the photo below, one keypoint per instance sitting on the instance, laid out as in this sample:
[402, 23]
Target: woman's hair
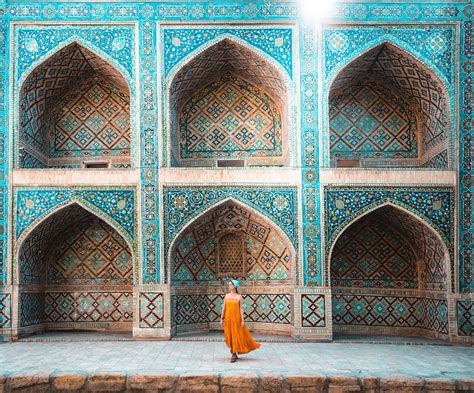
[236, 285]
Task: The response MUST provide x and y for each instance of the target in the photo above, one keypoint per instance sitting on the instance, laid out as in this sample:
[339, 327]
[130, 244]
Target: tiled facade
[118, 209]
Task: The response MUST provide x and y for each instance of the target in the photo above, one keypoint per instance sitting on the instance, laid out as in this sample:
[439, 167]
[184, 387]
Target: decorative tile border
[259, 308]
[465, 317]
[5, 311]
[118, 206]
[180, 43]
[151, 310]
[390, 311]
[82, 307]
[4, 142]
[312, 310]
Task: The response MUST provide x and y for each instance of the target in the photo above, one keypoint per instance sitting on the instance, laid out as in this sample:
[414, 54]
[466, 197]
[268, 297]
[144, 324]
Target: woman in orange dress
[237, 336]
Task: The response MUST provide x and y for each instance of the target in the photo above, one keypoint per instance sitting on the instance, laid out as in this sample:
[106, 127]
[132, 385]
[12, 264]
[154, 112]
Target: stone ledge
[229, 382]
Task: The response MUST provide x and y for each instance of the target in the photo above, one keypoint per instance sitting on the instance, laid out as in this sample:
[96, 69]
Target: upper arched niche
[231, 241]
[74, 112]
[228, 107]
[389, 248]
[387, 109]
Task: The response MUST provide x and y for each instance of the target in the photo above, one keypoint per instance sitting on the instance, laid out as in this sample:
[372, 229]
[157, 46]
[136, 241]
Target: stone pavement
[205, 366]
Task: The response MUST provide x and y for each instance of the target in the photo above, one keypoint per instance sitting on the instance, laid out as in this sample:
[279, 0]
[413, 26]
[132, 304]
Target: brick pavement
[130, 361]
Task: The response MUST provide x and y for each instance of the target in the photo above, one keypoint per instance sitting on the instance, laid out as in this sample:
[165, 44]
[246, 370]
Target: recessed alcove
[75, 273]
[387, 109]
[74, 107]
[229, 105]
[231, 241]
[389, 275]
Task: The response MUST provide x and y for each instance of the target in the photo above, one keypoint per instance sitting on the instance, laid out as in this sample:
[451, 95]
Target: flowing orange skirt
[237, 338]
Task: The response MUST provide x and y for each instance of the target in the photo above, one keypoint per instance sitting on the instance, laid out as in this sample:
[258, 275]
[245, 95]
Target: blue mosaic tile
[113, 42]
[118, 205]
[179, 43]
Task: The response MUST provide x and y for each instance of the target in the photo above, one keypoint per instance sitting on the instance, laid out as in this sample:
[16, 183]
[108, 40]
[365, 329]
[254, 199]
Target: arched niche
[390, 274]
[75, 272]
[74, 112]
[387, 109]
[256, 252]
[228, 106]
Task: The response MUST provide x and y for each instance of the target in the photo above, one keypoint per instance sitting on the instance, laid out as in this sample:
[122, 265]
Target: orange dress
[237, 338]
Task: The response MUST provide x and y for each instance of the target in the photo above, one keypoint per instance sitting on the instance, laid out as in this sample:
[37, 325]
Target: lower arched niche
[231, 241]
[389, 275]
[75, 273]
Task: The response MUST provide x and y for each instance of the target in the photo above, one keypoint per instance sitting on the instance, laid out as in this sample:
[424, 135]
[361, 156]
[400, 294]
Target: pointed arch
[227, 36]
[380, 41]
[75, 248]
[87, 45]
[258, 77]
[84, 205]
[47, 89]
[398, 207]
[220, 204]
[421, 131]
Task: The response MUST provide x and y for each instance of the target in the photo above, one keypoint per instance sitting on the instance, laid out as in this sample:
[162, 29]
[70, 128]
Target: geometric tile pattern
[5, 311]
[382, 249]
[440, 160]
[405, 77]
[373, 253]
[89, 307]
[433, 205]
[368, 120]
[91, 253]
[64, 107]
[391, 311]
[92, 120]
[117, 205]
[196, 254]
[36, 249]
[465, 317]
[28, 160]
[223, 57]
[230, 118]
[262, 308]
[32, 308]
[192, 309]
[426, 90]
[466, 90]
[183, 204]
[72, 246]
[151, 310]
[341, 42]
[312, 310]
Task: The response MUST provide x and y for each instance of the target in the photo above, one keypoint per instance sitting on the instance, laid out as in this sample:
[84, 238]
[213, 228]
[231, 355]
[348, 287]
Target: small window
[230, 163]
[348, 163]
[96, 165]
[231, 256]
